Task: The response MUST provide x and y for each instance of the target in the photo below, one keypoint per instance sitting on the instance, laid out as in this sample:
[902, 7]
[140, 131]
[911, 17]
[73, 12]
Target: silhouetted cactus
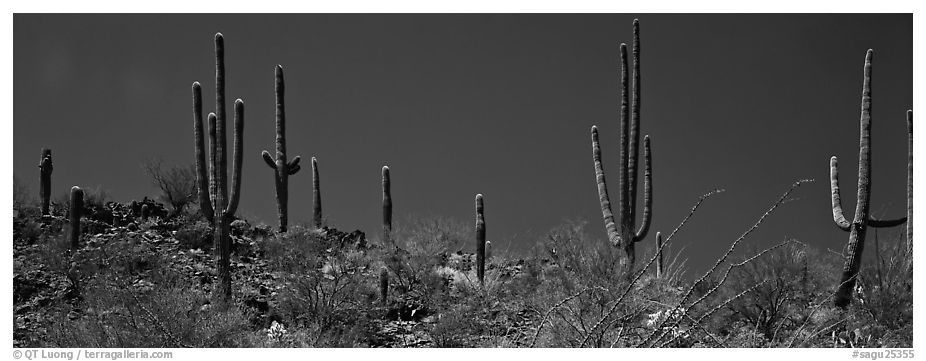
[383, 285]
[316, 195]
[45, 168]
[862, 218]
[75, 208]
[216, 204]
[659, 264]
[910, 180]
[282, 168]
[480, 240]
[622, 233]
[387, 205]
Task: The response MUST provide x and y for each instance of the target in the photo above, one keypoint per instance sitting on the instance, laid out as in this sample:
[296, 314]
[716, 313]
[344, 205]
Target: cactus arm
[647, 192]
[838, 215]
[202, 178]
[238, 158]
[290, 170]
[603, 199]
[623, 181]
[634, 121]
[268, 159]
[213, 170]
[294, 162]
[316, 195]
[910, 180]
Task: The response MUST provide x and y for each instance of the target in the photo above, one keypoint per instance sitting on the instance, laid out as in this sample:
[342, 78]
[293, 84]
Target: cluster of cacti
[862, 218]
[75, 208]
[622, 233]
[282, 168]
[316, 196]
[480, 240]
[215, 202]
[387, 206]
[45, 168]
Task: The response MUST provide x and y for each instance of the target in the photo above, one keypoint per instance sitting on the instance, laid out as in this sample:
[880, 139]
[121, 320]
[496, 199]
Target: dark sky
[495, 104]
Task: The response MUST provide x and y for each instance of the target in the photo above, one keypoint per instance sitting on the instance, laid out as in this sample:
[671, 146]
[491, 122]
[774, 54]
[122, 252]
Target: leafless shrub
[177, 183]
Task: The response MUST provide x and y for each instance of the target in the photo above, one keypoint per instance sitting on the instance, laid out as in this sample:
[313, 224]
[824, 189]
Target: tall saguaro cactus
[75, 208]
[45, 168]
[480, 240]
[862, 219]
[217, 205]
[910, 180]
[282, 168]
[316, 195]
[622, 233]
[387, 205]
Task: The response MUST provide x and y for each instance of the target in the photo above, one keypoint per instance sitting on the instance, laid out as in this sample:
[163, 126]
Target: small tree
[177, 183]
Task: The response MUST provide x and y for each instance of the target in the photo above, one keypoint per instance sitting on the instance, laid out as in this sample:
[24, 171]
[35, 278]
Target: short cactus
[217, 205]
[316, 195]
[144, 212]
[480, 239]
[383, 285]
[862, 218]
[45, 168]
[75, 208]
[659, 264]
[622, 233]
[283, 168]
[387, 205]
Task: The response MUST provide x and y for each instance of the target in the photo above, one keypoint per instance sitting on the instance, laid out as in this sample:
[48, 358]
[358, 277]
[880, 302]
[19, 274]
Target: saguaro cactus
[622, 234]
[659, 263]
[316, 195]
[910, 180]
[45, 168]
[144, 212]
[74, 211]
[480, 240]
[862, 218]
[216, 203]
[282, 168]
[387, 205]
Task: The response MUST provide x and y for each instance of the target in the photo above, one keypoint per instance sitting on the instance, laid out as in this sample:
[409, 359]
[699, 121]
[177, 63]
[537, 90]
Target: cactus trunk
[45, 168]
[387, 206]
[217, 205]
[862, 220]
[316, 195]
[384, 285]
[144, 212]
[910, 181]
[621, 232]
[74, 211]
[480, 240]
[659, 263]
[282, 168]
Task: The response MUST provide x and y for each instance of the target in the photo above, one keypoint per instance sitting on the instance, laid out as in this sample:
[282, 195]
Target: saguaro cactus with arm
[622, 233]
[45, 168]
[216, 201]
[862, 219]
[282, 168]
